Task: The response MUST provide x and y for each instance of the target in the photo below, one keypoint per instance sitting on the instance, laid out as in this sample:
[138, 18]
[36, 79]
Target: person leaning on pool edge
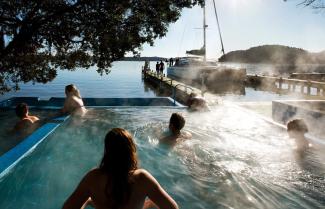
[73, 102]
[118, 182]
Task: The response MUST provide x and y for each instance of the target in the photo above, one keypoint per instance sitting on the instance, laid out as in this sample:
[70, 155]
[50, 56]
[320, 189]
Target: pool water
[9, 139]
[235, 160]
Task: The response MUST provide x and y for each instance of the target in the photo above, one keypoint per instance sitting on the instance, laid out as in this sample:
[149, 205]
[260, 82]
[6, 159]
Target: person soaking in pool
[297, 129]
[118, 182]
[73, 103]
[197, 103]
[26, 122]
[176, 123]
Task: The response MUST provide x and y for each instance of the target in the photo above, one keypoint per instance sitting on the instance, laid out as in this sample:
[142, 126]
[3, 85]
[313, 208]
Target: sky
[244, 24]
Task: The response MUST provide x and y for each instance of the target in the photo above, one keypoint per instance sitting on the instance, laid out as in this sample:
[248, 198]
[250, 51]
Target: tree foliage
[315, 4]
[39, 37]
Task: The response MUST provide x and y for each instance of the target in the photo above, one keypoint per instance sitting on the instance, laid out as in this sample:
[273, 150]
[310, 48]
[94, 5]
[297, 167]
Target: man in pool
[176, 123]
[297, 129]
[26, 122]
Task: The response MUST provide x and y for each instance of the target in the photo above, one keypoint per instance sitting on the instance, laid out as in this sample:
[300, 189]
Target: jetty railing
[308, 87]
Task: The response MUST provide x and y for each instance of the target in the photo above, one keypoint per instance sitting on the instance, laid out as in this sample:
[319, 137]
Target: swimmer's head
[296, 127]
[119, 161]
[21, 110]
[176, 122]
[72, 90]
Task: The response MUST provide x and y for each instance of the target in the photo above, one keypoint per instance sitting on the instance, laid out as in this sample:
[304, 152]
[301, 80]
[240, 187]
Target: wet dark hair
[177, 120]
[297, 125]
[73, 89]
[119, 161]
[21, 110]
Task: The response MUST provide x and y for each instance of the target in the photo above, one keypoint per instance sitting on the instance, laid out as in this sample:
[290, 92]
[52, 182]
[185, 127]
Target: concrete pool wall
[312, 111]
[93, 102]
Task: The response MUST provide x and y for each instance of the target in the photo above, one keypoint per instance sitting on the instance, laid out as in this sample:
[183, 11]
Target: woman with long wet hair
[118, 182]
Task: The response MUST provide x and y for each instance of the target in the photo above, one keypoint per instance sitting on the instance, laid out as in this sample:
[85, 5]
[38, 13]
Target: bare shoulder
[168, 139]
[186, 135]
[94, 172]
[93, 175]
[140, 172]
[33, 118]
[142, 175]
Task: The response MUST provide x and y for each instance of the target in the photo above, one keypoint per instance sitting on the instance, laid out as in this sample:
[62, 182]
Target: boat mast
[204, 33]
[215, 11]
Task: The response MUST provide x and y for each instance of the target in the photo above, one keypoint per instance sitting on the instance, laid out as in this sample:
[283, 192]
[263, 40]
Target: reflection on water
[235, 160]
[124, 80]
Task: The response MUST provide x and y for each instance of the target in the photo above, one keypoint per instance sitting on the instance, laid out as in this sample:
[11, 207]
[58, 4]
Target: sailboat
[197, 68]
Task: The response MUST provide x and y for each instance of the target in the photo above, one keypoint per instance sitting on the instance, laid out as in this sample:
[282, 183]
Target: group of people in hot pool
[118, 182]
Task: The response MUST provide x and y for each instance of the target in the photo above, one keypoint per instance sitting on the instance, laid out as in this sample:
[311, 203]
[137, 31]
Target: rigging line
[179, 49]
[215, 11]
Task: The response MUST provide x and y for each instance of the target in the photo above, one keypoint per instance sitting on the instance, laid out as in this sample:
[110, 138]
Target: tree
[315, 4]
[39, 37]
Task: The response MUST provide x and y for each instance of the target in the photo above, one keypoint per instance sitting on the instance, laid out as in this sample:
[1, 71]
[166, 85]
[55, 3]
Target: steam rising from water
[236, 156]
[235, 160]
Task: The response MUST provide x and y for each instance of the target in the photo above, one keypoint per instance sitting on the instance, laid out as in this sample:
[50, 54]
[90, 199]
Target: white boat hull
[211, 73]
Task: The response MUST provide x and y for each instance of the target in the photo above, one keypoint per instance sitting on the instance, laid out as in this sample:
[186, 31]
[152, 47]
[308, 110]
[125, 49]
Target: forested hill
[274, 54]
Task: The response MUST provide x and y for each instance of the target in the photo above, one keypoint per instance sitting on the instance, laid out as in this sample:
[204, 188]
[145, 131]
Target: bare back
[73, 104]
[95, 183]
[26, 124]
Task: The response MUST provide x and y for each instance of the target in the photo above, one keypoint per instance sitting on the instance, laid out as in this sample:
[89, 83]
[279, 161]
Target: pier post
[302, 88]
[280, 83]
[318, 91]
[308, 87]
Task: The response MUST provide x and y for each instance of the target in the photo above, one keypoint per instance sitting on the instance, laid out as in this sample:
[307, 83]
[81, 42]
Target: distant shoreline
[143, 59]
[274, 54]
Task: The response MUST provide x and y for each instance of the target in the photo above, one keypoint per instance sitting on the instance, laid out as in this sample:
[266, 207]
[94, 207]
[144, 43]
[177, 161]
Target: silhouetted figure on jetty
[118, 182]
[157, 68]
[171, 62]
[161, 67]
[176, 124]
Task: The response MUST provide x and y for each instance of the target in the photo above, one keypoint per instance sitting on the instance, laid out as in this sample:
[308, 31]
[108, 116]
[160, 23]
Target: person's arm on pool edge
[79, 196]
[156, 193]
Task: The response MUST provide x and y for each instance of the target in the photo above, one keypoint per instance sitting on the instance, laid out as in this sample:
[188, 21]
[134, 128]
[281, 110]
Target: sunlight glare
[236, 4]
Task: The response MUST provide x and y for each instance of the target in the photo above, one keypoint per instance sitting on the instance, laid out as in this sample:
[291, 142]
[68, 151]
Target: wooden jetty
[180, 91]
[308, 76]
[306, 87]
